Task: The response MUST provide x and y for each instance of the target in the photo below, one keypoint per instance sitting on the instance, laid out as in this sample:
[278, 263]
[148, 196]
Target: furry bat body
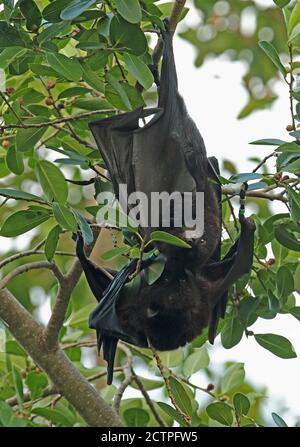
[167, 154]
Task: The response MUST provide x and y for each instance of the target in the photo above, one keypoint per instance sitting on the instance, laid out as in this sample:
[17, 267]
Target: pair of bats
[166, 154]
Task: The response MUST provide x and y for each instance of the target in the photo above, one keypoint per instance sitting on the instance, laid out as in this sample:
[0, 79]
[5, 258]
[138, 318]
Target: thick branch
[62, 373]
[62, 301]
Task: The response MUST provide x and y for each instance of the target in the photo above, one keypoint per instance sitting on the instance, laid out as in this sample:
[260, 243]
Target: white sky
[214, 96]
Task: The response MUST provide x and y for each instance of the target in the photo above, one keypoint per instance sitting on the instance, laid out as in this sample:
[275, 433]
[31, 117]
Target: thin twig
[56, 121]
[127, 369]
[31, 266]
[160, 366]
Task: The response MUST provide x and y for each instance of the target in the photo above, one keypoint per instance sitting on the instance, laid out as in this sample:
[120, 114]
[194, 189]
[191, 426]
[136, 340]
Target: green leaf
[92, 78]
[32, 14]
[52, 181]
[245, 177]
[170, 411]
[18, 385]
[172, 358]
[241, 404]
[295, 18]
[181, 396]
[114, 253]
[76, 8]
[73, 91]
[154, 271]
[295, 311]
[163, 236]
[55, 416]
[130, 10]
[233, 377]
[278, 420]
[139, 70]
[10, 36]
[232, 332]
[12, 347]
[36, 383]
[79, 319]
[276, 344]
[286, 238]
[284, 282]
[119, 89]
[26, 139]
[127, 36]
[289, 147]
[148, 384]
[294, 200]
[64, 217]
[220, 412]
[136, 417]
[281, 3]
[14, 161]
[271, 52]
[195, 361]
[23, 221]
[66, 67]
[85, 228]
[8, 55]
[52, 11]
[8, 418]
[294, 167]
[18, 195]
[51, 242]
[268, 142]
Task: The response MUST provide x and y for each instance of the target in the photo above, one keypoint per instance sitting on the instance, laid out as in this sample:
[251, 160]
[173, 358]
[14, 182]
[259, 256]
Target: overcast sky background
[214, 96]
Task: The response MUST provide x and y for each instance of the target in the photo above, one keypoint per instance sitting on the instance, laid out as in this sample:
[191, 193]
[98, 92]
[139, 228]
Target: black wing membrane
[225, 273]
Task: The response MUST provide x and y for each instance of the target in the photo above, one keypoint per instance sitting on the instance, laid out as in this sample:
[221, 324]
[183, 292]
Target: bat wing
[225, 273]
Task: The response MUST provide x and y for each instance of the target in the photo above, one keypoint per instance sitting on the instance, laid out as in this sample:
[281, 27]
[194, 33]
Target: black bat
[166, 154]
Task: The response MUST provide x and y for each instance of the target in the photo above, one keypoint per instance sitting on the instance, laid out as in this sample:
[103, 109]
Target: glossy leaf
[51, 242]
[271, 52]
[130, 10]
[52, 181]
[26, 139]
[23, 221]
[241, 404]
[196, 361]
[276, 344]
[66, 67]
[162, 236]
[139, 70]
[76, 8]
[64, 217]
[220, 412]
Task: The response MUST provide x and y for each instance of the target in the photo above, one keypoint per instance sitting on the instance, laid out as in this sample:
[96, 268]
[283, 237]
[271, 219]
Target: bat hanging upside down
[166, 154]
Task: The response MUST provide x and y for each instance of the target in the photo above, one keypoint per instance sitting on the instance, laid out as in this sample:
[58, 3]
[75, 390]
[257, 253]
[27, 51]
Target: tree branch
[57, 121]
[31, 266]
[66, 288]
[174, 19]
[62, 373]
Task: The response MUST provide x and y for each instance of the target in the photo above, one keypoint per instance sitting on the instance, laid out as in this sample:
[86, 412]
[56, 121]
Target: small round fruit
[49, 101]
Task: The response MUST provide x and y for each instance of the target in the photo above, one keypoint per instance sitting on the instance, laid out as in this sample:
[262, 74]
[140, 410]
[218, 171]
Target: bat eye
[202, 241]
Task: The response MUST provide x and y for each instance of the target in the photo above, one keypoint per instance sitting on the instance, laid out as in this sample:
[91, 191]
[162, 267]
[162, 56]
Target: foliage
[66, 63]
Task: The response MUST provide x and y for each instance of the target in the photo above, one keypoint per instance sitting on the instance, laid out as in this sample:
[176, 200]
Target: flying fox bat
[166, 154]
